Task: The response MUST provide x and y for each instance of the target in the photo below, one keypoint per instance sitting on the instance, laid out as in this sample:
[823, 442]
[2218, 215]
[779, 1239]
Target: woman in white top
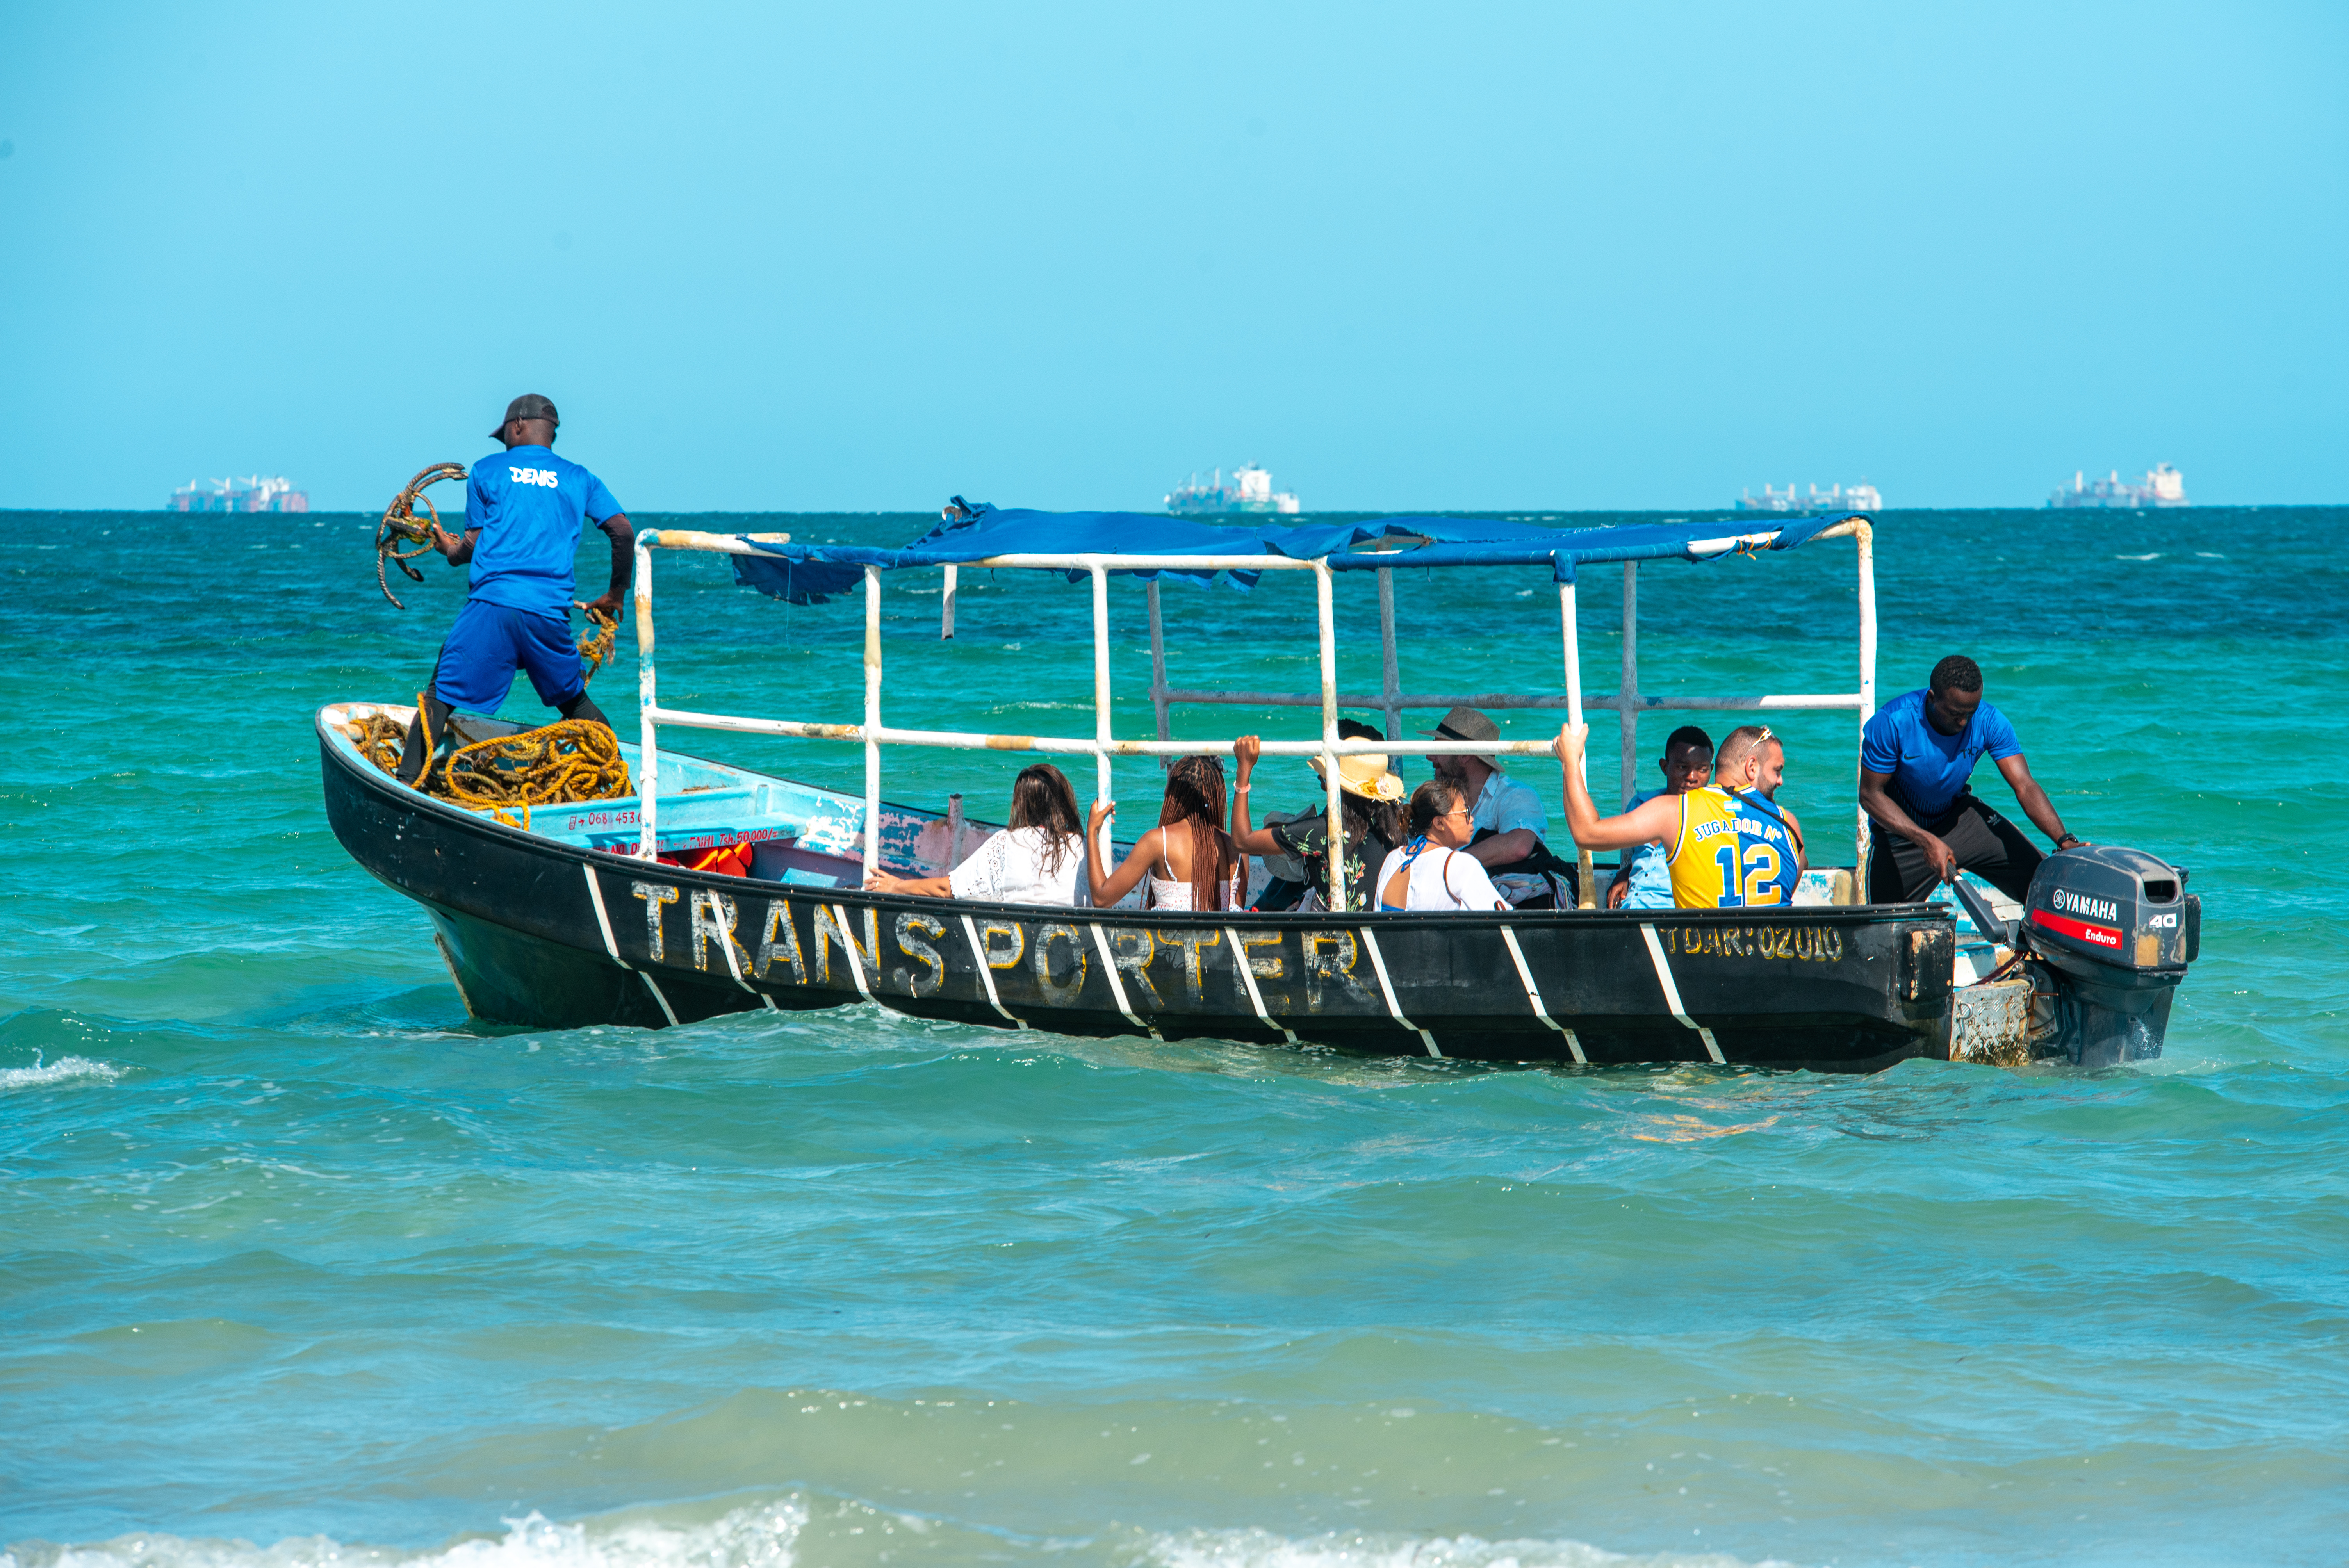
[1205, 869]
[1429, 872]
[1039, 859]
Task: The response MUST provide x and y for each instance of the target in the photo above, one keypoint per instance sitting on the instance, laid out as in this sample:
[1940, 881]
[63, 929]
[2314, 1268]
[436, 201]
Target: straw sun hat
[1366, 775]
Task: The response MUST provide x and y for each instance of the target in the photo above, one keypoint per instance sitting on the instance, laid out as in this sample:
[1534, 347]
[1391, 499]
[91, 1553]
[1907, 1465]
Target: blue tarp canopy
[810, 573]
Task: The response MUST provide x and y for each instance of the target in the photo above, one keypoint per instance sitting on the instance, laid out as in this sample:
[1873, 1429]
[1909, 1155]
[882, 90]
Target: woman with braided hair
[1205, 869]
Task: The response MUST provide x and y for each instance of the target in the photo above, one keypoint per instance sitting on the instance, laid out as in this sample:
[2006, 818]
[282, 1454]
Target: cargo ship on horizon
[1249, 489]
[1861, 496]
[254, 492]
[2162, 485]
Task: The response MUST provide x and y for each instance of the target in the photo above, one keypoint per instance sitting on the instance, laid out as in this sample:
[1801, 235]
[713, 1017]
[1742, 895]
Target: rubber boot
[584, 707]
[411, 751]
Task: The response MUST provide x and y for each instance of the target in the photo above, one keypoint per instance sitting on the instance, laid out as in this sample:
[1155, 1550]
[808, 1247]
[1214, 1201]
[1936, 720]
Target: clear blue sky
[780, 257]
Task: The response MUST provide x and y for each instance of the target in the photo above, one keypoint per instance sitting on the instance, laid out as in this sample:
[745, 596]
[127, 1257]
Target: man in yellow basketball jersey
[1729, 844]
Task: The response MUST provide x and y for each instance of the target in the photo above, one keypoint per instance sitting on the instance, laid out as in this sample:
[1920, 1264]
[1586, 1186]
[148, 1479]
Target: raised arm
[1658, 818]
[2034, 802]
[1251, 841]
[1107, 889]
[623, 535]
[457, 551]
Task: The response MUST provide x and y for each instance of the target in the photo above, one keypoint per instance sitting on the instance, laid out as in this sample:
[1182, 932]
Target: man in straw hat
[1371, 796]
[1507, 818]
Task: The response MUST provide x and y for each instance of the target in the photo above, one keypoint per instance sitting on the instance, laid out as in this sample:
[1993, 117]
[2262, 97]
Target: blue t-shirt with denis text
[530, 506]
[1930, 769]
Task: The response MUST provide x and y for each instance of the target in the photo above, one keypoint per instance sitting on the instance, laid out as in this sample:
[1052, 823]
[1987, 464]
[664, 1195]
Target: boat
[2162, 485]
[585, 913]
[1249, 490]
[254, 492]
[1862, 497]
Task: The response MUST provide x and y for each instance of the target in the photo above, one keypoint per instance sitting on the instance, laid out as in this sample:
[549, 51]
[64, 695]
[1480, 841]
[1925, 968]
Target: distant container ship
[1861, 496]
[1248, 489]
[254, 492]
[2162, 485]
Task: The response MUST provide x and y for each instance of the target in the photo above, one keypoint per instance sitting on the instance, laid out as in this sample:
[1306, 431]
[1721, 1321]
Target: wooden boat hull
[549, 934]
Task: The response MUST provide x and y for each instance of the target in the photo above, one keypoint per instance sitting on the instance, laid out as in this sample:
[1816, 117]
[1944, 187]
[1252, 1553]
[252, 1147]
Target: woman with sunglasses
[1429, 872]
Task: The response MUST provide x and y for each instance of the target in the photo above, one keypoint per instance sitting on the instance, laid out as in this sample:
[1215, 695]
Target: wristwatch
[2068, 840]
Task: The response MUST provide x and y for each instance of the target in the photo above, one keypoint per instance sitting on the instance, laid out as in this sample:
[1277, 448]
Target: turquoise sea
[299, 1266]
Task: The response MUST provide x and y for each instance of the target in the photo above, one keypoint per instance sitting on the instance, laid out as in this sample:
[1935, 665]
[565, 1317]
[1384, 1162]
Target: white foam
[768, 1535]
[756, 1537]
[1262, 1549]
[65, 1069]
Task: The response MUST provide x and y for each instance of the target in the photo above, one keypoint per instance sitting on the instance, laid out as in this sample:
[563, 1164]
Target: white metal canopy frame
[1101, 746]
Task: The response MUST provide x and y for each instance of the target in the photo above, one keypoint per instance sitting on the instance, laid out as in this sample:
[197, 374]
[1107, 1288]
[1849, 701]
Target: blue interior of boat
[800, 833]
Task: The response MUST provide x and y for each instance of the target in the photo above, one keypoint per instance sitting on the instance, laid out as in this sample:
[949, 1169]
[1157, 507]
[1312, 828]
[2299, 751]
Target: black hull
[518, 918]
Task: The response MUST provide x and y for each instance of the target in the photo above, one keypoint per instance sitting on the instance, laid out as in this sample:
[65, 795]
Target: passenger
[1509, 818]
[1916, 758]
[1286, 879]
[1728, 841]
[1039, 859]
[1752, 767]
[1643, 881]
[1369, 797]
[1432, 871]
[1205, 869]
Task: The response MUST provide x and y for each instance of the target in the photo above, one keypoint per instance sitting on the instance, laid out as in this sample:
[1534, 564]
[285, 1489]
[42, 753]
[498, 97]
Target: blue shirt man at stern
[1916, 758]
[523, 512]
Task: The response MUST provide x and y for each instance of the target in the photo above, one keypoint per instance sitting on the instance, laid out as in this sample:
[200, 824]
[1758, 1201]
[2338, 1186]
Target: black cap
[529, 406]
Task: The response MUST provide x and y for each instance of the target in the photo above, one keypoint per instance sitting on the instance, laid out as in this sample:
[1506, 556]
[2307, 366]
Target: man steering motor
[523, 512]
[1916, 758]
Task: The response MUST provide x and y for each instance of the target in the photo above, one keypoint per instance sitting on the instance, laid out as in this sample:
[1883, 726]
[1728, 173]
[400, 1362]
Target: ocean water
[299, 1266]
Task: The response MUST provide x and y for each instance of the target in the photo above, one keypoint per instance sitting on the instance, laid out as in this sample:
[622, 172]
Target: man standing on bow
[1916, 758]
[523, 512]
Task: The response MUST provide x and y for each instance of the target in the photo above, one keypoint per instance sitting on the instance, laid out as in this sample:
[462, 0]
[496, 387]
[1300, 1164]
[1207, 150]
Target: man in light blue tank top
[1644, 881]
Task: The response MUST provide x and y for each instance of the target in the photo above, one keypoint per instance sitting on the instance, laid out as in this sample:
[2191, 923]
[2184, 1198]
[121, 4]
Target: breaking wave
[755, 1537]
[1262, 1549]
[773, 1534]
[65, 1069]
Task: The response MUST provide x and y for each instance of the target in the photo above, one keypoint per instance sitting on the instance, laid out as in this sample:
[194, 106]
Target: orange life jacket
[726, 860]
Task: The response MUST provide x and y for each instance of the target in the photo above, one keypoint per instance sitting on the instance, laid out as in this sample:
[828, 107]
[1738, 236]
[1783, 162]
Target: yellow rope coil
[379, 737]
[596, 647]
[570, 761]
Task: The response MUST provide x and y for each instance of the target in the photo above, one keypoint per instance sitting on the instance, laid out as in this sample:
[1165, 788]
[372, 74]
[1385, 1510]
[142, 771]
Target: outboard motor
[2110, 932]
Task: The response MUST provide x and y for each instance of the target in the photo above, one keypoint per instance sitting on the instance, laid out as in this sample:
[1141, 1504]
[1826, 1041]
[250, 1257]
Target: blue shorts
[490, 642]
